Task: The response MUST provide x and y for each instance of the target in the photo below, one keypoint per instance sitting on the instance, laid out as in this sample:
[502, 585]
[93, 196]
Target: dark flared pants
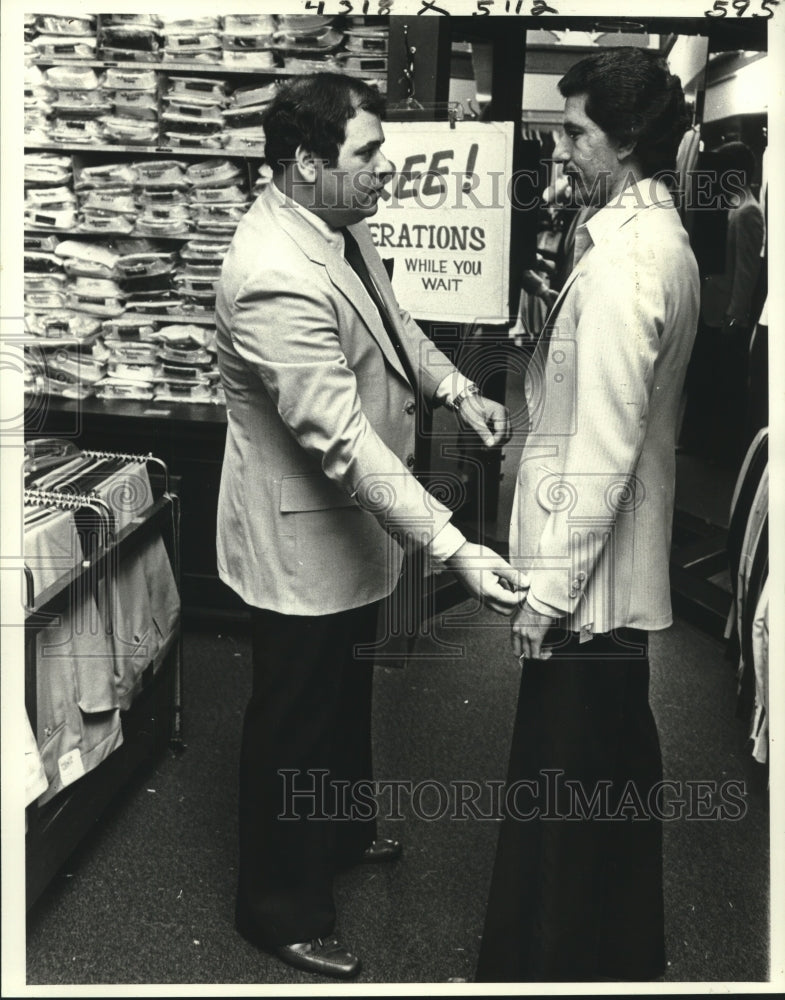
[307, 726]
[576, 894]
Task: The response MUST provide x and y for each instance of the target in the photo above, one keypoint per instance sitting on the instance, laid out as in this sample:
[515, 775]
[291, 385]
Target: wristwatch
[470, 390]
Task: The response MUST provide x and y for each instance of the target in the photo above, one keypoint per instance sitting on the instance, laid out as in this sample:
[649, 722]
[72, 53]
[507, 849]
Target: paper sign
[444, 219]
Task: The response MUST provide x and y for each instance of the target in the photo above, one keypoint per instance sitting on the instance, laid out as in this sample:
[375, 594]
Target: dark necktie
[355, 260]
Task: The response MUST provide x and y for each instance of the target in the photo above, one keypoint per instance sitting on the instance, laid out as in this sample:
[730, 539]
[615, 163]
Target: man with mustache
[323, 374]
[576, 893]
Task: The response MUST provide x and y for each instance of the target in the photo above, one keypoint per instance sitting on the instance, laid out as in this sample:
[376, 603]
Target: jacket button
[410, 406]
[410, 460]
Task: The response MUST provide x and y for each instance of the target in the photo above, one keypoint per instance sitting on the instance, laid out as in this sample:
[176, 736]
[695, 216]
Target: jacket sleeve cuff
[445, 543]
[542, 608]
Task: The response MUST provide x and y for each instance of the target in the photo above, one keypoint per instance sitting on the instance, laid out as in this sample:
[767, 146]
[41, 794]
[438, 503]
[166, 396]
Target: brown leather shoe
[383, 849]
[325, 956]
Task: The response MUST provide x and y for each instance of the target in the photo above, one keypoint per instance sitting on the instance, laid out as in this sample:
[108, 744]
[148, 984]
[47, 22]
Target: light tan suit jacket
[316, 488]
[593, 509]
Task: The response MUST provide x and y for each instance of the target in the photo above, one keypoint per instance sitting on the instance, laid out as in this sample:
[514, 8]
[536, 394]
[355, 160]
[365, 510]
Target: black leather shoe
[325, 956]
[383, 849]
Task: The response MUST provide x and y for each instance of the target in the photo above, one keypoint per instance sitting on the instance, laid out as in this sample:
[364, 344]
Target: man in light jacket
[577, 888]
[324, 376]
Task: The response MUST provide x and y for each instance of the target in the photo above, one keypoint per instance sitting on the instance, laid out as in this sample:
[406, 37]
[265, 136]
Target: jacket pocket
[308, 493]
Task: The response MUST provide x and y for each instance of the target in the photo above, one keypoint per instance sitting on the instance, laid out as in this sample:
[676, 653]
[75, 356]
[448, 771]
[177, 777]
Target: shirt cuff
[542, 608]
[445, 543]
[449, 387]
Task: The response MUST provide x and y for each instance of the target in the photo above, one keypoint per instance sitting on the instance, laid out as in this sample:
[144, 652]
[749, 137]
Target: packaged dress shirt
[102, 222]
[82, 131]
[50, 169]
[213, 173]
[122, 78]
[105, 175]
[72, 78]
[59, 46]
[41, 196]
[152, 21]
[146, 265]
[135, 104]
[192, 86]
[42, 262]
[35, 242]
[36, 282]
[128, 131]
[128, 329]
[111, 388]
[69, 326]
[93, 253]
[161, 173]
[129, 41]
[249, 59]
[56, 24]
[230, 193]
[61, 216]
[115, 198]
[249, 24]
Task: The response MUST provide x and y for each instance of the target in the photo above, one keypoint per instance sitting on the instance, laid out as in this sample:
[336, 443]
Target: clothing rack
[88, 663]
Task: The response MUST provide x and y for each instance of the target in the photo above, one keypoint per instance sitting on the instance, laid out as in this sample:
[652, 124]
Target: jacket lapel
[342, 275]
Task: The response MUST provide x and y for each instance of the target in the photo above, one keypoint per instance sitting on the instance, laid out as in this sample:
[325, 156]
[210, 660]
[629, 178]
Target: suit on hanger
[316, 486]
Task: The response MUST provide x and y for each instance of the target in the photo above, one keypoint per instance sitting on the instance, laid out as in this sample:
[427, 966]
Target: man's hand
[528, 630]
[489, 419]
[486, 575]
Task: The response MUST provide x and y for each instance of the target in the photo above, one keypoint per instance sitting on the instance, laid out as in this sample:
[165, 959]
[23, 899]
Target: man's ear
[624, 151]
[306, 163]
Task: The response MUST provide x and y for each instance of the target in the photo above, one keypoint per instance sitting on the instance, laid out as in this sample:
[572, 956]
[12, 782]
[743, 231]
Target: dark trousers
[309, 716]
[580, 898]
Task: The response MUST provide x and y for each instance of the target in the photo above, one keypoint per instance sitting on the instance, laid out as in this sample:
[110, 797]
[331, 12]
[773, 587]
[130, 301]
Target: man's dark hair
[634, 98]
[736, 156]
[312, 112]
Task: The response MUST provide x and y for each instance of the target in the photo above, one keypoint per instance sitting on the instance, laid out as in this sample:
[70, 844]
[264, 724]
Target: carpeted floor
[148, 898]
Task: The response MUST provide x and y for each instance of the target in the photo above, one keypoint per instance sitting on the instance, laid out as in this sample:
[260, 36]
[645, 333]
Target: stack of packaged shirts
[161, 191]
[132, 94]
[49, 198]
[130, 37]
[248, 40]
[59, 355]
[188, 369]
[146, 273]
[37, 105]
[49, 205]
[47, 312]
[172, 363]
[79, 105]
[217, 200]
[30, 31]
[60, 37]
[192, 113]
[105, 195]
[44, 277]
[308, 42]
[244, 117]
[365, 51]
[194, 40]
[199, 272]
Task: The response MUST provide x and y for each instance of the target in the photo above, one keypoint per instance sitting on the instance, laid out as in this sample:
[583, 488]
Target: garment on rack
[35, 775]
[78, 711]
[760, 657]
